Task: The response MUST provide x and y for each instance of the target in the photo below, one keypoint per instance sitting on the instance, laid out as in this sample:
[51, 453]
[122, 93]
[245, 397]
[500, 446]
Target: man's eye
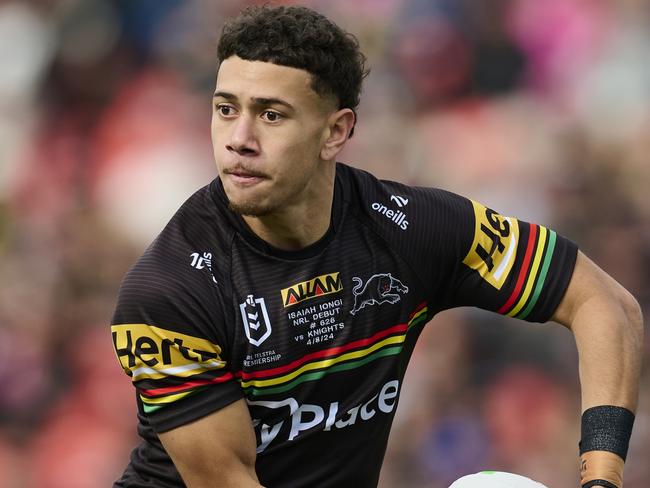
[271, 116]
[225, 110]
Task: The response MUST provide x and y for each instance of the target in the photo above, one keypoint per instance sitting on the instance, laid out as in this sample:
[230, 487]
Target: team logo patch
[316, 287]
[494, 247]
[256, 320]
[380, 288]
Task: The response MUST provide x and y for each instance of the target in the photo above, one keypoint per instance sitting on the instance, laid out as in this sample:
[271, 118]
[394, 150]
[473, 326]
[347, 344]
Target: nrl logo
[380, 288]
[256, 320]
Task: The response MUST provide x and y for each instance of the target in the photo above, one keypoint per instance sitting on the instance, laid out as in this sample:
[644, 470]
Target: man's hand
[601, 465]
[607, 325]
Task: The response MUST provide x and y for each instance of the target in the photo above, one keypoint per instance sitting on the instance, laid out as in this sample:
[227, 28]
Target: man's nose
[243, 139]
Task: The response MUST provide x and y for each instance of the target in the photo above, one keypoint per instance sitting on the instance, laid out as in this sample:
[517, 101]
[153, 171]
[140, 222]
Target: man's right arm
[169, 336]
[215, 450]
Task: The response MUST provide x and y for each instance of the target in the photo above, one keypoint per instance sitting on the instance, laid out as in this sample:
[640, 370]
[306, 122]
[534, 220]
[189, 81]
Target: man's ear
[340, 124]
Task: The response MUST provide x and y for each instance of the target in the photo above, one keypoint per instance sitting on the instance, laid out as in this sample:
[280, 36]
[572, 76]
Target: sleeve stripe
[524, 270]
[151, 404]
[153, 392]
[507, 259]
[164, 400]
[183, 371]
[542, 276]
[533, 273]
[151, 408]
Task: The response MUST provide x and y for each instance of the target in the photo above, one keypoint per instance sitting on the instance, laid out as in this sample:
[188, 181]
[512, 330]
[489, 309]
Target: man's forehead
[261, 79]
[237, 75]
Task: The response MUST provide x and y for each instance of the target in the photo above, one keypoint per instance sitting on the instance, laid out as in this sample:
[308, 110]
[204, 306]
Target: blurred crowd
[539, 109]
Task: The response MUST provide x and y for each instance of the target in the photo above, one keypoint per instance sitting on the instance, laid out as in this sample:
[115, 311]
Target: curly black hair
[301, 38]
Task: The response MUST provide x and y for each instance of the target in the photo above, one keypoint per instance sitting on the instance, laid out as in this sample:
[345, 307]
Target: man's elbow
[229, 474]
[633, 316]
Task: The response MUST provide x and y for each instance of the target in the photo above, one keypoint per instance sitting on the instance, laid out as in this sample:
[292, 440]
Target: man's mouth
[241, 176]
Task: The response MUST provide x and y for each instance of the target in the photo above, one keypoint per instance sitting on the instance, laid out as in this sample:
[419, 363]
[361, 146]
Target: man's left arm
[607, 324]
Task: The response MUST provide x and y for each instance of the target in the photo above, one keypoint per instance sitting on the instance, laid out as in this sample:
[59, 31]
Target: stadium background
[539, 109]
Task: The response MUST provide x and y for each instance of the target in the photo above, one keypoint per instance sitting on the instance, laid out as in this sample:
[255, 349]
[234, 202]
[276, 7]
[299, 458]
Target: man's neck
[295, 227]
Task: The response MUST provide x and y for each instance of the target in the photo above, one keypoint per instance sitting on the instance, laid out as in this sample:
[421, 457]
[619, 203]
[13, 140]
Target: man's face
[268, 127]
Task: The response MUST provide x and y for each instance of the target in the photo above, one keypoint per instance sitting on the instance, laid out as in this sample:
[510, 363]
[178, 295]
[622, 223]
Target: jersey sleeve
[169, 337]
[503, 264]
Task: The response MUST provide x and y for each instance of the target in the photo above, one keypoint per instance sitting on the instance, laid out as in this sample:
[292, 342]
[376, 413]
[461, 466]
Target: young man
[268, 327]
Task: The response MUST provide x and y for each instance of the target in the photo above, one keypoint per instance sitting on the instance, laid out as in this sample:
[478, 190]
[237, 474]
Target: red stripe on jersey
[186, 386]
[417, 309]
[524, 270]
[320, 354]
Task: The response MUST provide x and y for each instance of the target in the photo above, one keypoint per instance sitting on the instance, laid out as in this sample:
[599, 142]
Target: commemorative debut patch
[493, 250]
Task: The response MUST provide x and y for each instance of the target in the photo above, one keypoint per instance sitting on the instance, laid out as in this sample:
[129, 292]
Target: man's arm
[608, 328]
[216, 450]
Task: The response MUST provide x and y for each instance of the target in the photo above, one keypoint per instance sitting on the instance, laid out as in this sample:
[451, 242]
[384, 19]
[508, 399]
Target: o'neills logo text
[316, 287]
[396, 216]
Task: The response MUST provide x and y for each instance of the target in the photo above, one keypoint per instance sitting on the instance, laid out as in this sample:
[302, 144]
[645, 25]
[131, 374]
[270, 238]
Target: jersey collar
[340, 192]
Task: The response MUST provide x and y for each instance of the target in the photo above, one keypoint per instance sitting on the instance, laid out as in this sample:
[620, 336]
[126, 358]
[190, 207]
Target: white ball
[495, 479]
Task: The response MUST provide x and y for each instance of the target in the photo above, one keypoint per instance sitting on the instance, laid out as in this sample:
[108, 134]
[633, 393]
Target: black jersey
[317, 341]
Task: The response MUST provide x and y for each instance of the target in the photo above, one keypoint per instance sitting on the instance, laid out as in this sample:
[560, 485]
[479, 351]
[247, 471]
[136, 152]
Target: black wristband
[604, 483]
[606, 428]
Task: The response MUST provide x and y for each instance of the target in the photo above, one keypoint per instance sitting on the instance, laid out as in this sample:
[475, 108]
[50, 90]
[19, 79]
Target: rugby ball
[495, 479]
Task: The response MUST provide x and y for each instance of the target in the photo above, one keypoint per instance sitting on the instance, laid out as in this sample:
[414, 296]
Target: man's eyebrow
[272, 101]
[256, 100]
[223, 94]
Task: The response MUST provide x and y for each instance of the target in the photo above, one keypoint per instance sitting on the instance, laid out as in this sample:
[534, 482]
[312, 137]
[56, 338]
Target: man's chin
[249, 203]
[250, 209]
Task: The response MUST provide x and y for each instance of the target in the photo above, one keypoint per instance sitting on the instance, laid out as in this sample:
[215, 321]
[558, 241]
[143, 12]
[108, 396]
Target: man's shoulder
[199, 225]
[397, 205]
[204, 211]
[192, 247]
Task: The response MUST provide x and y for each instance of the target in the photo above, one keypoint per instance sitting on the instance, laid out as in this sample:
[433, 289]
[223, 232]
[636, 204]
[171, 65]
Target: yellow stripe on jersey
[534, 269]
[325, 363]
[165, 399]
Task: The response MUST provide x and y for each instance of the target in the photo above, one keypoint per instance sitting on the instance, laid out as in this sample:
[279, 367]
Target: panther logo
[380, 288]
